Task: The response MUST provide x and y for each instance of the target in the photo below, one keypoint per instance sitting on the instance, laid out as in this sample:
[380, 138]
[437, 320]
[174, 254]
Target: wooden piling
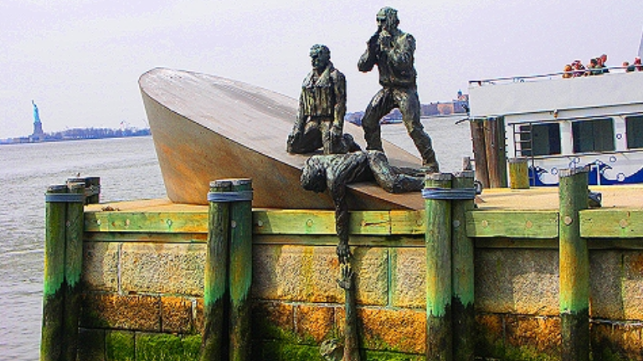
[479, 152]
[518, 173]
[439, 340]
[462, 274]
[73, 267]
[574, 266]
[54, 275]
[240, 271]
[495, 151]
[502, 151]
[214, 344]
[92, 188]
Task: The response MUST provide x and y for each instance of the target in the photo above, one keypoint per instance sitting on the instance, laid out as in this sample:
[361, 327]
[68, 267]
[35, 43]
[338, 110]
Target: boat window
[540, 139]
[634, 131]
[593, 135]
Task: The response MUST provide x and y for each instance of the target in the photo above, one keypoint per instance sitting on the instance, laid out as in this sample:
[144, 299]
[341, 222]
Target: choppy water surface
[129, 170]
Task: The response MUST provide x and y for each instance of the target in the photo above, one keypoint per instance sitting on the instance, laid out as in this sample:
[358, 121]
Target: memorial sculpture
[322, 107]
[319, 124]
[392, 50]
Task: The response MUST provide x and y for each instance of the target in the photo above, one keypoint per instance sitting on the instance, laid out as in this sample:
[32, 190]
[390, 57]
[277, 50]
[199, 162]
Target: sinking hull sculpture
[206, 128]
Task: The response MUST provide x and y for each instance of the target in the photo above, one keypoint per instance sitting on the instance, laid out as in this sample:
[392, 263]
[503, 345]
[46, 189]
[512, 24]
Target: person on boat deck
[322, 106]
[335, 171]
[579, 68]
[392, 51]
[637, 64]
[567, 71]
[601, 60]
[592, 68]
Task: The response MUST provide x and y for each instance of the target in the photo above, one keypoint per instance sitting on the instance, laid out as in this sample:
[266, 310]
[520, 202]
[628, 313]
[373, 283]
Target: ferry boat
[558, 123]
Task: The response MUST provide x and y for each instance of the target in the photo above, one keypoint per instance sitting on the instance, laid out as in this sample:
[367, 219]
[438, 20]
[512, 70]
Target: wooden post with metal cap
[240, 270]
[64, 220]
[439, 339]
[574, 266]
[214, 344]
[462, 252]
[54, 274]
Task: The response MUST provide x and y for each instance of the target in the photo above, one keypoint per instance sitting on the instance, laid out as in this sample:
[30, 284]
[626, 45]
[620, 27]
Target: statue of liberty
[36, 115]
[37, 124]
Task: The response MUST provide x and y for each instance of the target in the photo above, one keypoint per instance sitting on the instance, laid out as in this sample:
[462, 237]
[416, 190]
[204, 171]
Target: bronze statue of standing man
[322, 107]
[392, 50]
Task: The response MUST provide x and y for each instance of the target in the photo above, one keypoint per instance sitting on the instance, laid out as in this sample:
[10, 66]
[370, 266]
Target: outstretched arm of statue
[347, 282]
[298, 129]
[339, 111]
[368, 60]
[342, 217]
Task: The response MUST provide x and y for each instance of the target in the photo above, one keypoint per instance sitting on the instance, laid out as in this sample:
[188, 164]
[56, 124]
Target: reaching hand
[343, 253]
[346, 273]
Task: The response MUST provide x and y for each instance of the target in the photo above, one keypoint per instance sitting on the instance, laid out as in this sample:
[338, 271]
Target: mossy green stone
[391, 356]
[281, 351]
[166, 347]
[119, 346]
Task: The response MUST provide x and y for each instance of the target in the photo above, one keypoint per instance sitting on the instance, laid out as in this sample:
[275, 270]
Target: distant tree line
[96, 133]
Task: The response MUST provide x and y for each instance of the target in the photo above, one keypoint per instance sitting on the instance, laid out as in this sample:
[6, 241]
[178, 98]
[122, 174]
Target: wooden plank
[512, 224]
[319, 222]
[145, 237]
[328, 240]
[520, 243]
[407, 222]
[146, 222]
[611, 223]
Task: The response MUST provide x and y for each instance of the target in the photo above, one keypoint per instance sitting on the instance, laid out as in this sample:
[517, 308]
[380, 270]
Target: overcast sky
[80, 60]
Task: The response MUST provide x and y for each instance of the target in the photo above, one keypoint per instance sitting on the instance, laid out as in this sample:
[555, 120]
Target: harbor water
[128, 169]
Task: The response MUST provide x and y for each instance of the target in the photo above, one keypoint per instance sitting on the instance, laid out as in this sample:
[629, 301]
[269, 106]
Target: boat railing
[540, 77]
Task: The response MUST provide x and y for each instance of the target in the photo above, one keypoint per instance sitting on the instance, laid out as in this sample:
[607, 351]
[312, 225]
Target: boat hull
[207, 128]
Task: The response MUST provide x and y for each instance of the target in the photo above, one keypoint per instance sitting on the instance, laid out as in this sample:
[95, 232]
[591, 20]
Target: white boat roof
[522, 95]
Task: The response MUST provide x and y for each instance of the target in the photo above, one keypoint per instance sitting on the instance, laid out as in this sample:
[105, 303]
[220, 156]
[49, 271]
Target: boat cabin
[559, 123]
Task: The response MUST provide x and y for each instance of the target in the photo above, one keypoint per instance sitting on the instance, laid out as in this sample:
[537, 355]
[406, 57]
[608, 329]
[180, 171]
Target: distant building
[456, 106]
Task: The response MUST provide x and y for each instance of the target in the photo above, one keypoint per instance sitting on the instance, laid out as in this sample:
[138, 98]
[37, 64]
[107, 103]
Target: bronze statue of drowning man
[334, 172]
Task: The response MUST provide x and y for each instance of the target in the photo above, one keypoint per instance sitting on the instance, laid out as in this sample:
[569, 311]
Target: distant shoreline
[78, 134]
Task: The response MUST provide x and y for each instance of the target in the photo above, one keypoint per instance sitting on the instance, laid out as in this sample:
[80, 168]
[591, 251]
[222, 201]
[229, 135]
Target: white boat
[558, 123]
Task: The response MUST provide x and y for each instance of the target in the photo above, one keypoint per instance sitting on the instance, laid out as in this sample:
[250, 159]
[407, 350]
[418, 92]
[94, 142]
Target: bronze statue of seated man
[322, 107]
